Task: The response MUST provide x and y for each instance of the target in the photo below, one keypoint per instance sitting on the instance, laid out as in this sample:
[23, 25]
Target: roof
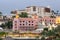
[36, 6]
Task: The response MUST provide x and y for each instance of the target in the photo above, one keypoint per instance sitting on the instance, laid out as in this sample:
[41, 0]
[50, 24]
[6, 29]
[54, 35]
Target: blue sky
[6, 6]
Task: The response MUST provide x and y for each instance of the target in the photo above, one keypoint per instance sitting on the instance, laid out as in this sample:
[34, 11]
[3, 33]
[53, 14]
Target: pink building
[30, 24]
[48, 20]
[24, 24]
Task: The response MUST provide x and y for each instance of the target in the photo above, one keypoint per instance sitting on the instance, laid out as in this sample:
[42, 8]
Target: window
[40, 20]
[15, 24]
[15, 21]
[20, 24]
[45, 20]
[23, 24]
[20, 21]
[29, 24]
[26, 23]
[34, 8]
[23, 21]
[32, 24]
[20, 27]
[47, 10]
[32, 21]
[15, 27]
[29, 21]
[50, 20]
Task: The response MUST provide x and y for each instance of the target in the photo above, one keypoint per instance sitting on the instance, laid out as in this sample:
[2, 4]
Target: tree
[43, 38]
[51, 33]
[0, 13]
[37, 37]
[44, 32]
[2, 34]
[13, 16]
[45, 29]
[8, 24]
[57, 39]
[52, 12]
[23, 15]
[52, 16]
[4, 17]
[0, 38]
[58, 31]
[48, 33]
[58, 28]
[2, 25]
[57, 11]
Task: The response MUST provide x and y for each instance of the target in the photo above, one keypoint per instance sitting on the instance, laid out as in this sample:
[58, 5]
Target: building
[24, 24]
[2, 19]
[58, 20]
[30, 24]
[47, 20]
[38, 10]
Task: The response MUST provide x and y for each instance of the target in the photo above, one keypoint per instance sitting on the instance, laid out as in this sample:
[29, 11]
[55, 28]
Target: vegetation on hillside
[23, 15]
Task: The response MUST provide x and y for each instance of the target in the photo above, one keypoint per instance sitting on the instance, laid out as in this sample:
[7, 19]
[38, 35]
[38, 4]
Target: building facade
[30, 24]
[38, 10]
[24, 24]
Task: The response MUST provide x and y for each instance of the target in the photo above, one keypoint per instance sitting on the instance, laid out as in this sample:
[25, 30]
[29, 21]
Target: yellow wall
[57, 20]
[17, 16]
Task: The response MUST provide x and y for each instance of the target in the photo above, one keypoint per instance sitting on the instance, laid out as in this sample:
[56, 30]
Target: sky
[6, 6]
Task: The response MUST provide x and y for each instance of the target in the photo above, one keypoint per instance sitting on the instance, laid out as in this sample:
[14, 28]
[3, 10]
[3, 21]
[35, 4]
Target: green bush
[0, 38]
[2, 34]
[57, 39]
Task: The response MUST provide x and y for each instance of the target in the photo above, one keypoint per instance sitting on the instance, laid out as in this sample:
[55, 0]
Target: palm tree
[52, 12]
[57, 11]
[52, 16]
